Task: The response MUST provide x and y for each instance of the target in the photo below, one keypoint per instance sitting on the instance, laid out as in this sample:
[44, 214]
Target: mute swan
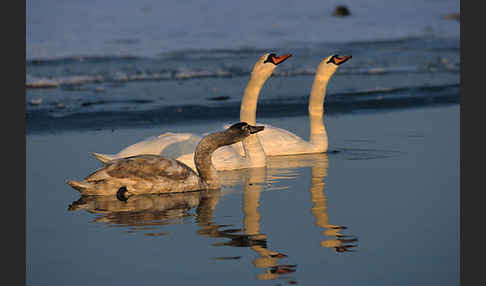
[146, 174]
[182, 145]
[278, 141]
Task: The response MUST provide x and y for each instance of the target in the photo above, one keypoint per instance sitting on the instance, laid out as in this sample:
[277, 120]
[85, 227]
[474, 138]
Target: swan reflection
[146, 212]
[255, 181]
[338, 241]
[267, 258]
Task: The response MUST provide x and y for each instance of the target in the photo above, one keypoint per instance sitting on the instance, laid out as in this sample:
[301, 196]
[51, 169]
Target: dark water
[124, 91]
[381, 208]
[115, 64]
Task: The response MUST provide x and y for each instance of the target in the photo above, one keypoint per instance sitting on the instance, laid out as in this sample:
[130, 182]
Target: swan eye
[331, 60]
[270, 58]
[337, 60]
[276, 60]
[239, 126]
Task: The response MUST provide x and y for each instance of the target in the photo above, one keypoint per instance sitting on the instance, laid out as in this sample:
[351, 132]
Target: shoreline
[150, 120]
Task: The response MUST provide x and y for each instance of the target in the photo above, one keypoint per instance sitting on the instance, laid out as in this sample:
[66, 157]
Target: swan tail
[80, 204]
[80, 186]
[103, 157]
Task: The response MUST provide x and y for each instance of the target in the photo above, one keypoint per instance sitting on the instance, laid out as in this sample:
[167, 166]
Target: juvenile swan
[148, 174]
[277, 141]
[182, 145]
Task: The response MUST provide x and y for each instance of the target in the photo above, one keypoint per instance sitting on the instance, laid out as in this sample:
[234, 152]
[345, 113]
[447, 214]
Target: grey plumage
[144, 174]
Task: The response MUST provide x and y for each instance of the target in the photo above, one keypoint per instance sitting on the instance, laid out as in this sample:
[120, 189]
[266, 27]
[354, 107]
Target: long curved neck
[250, 99]
[318, 134]
[254, 152]
[203, 160]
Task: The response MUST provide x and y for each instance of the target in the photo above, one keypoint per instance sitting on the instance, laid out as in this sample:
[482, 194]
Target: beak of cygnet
[281, 59]
[255, 129]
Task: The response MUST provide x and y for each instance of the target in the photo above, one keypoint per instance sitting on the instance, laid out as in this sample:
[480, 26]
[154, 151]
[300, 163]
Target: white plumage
[182, 145]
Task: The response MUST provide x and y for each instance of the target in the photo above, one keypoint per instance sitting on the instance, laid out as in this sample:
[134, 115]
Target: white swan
[278, 141]
[182, 145]
[148, 174]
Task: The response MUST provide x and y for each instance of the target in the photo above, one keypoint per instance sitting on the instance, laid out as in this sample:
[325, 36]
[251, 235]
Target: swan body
[172, 144]
[143, 173]
[278, 141]
[154, 145]
[149, 174]
[246, 154]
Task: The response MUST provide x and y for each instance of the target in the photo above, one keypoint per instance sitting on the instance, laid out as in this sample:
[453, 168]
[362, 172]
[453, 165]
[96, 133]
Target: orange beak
[281, 59]
[340, 60]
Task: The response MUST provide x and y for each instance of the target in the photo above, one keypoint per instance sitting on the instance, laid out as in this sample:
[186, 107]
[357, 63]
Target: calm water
[381, 208]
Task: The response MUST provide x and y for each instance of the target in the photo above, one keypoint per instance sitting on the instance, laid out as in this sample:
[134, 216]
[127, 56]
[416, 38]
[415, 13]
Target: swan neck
[250, 99]
[318, 133]
[203, 160]
[253, 149]
[317, 96]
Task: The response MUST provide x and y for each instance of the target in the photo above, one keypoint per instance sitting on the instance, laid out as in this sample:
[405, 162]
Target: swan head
[239, 131]
[330, 64]
[267, 63]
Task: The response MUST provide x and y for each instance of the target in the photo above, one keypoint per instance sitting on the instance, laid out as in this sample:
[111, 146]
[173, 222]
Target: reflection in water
[256, 180]
[338, 241]
[146, 212]
[267, 259]
[319, 164]
[253, 180]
